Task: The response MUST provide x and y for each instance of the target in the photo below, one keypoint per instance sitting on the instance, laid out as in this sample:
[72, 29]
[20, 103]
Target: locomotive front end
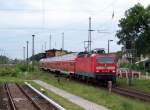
[105, 68]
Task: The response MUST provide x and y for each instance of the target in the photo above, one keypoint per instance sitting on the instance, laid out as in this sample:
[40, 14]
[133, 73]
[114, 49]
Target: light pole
[33, 36]
[62, 41]
[90, 35]
[27, 56]
[45, 45]
[50, 39]
[108, 44]
[24, 53]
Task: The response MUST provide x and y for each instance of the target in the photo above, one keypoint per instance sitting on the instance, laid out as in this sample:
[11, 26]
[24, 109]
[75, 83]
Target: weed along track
[134, 94]
[21, 97]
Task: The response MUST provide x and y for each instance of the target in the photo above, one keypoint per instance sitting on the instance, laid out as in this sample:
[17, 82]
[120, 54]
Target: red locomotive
[95, 66]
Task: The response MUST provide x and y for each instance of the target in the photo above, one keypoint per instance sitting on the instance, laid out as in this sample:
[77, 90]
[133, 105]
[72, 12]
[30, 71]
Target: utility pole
[42, 48]
[4, 57]
[128, 47]
[86, 45]
[33, 36]
[50, 38]
[24, 53]
[108, 44]
[63, 41]
[45, 45]
[89, 35]
[27, 55]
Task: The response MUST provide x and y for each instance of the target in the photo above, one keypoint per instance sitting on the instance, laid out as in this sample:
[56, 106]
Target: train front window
[104, 60]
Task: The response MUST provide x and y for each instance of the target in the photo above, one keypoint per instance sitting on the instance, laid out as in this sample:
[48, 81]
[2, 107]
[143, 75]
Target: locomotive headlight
[111, 67]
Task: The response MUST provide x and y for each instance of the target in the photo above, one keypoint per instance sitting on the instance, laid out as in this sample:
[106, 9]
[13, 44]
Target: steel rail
[57, 106]
[132, 93]
[33, 102]
[12, 103]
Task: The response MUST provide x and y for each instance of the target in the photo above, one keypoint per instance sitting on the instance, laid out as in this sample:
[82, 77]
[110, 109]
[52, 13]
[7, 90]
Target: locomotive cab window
[104, 60]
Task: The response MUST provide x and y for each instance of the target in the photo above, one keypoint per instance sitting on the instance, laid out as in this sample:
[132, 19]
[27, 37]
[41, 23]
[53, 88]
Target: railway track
[136, 94]
[132, 93]
[23, 98]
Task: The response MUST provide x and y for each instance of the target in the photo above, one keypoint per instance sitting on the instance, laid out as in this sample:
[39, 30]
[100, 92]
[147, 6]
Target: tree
[135, 27]
[37, 57]
[4, 59]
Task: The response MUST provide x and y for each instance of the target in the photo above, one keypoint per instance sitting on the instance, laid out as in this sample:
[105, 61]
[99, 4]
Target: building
[55, 52]
[144, 61]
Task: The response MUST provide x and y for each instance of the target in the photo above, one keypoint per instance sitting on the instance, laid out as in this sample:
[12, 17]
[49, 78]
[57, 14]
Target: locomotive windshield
[104, 60]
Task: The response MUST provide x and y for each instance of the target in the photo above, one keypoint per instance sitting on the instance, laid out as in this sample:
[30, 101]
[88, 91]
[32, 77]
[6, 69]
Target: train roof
[73, 56]
[66, 57]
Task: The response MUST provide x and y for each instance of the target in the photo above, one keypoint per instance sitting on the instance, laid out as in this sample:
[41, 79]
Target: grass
[10, 79]
[97, 95]
[139, 84]
[63, 102]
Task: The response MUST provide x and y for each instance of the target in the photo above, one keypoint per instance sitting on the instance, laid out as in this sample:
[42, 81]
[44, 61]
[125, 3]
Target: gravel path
[87, 105]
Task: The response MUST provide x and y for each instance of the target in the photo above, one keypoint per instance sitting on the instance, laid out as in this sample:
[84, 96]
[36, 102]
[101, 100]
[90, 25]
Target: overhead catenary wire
[43, 2]
[43, 10]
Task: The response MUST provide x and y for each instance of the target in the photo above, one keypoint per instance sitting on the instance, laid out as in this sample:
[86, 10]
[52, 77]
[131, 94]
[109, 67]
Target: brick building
[55, 52]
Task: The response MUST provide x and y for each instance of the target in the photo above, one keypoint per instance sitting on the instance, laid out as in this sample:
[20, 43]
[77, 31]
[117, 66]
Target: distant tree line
[6, 60]
[135, 27]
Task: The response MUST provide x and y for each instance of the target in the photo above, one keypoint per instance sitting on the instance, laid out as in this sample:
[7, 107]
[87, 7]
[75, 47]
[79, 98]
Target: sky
[20, 19]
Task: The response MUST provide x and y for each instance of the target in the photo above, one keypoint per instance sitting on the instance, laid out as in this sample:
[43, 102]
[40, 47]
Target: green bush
[19, 70]
[135, 67]
[24, 68]
[8, 71]
[123, 65]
